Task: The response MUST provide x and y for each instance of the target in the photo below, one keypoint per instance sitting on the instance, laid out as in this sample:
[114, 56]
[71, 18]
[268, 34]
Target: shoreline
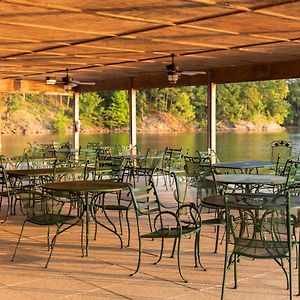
[246, 128]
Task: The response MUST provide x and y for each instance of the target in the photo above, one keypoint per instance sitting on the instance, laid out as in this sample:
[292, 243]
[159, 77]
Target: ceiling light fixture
[68, 86]
[50, 80]
[172, 70]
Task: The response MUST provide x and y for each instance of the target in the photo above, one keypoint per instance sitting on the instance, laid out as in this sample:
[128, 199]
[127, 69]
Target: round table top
[247, 164]
[86, 186]
[249, 179]
[217, 201]
[43, 171]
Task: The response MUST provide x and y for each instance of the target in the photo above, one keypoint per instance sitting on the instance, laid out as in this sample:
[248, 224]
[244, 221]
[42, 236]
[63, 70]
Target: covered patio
[105, 273]
[127, 45]
[120, 45]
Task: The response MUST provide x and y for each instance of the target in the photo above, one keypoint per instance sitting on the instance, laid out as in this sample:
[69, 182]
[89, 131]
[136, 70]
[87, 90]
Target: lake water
[230, 145]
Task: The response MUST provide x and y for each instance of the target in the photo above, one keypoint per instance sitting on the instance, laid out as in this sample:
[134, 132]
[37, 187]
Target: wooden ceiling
[116, 42]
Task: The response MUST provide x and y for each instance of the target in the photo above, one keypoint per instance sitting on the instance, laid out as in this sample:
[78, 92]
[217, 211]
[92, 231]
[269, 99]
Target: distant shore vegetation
[265, 102]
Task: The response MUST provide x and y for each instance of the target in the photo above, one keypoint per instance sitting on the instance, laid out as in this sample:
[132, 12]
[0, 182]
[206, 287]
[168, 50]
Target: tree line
[270, 101]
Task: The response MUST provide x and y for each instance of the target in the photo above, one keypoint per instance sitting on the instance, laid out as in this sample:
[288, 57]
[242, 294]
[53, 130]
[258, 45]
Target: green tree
[229, 106]
[91, 108]
[274, 94]
[13, 103]
[61, 122]
[198, 98]
[293, 98]
[182, 108]
[117, 115]
[141, 103]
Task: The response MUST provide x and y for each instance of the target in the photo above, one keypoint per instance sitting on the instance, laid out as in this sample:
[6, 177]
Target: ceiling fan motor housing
[172, 68]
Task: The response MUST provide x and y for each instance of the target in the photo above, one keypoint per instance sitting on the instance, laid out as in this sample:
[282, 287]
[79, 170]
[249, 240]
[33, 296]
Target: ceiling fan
[174, 73]
[67, 82]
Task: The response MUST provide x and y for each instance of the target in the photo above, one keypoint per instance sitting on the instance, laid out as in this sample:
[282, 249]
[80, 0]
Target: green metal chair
[102, 206]
[172, 162]
[258, 226]
[281, 151]
[185, 222]
[52, 211]
[197, 174]
[7, 195]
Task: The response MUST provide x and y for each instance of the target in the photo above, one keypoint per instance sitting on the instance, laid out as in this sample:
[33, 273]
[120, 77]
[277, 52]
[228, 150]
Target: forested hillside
[267, 102]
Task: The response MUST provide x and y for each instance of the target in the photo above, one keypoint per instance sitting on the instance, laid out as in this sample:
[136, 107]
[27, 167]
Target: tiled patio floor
[105, 273]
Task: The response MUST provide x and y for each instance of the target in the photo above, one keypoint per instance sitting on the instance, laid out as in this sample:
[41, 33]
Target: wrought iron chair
[185, 222]
[172, 162]
[280, 151]
[122, 204]
[197, 174]
[258, 226]
[52, 211]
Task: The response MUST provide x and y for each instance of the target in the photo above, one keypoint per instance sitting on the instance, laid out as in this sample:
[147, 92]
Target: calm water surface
[230, 145]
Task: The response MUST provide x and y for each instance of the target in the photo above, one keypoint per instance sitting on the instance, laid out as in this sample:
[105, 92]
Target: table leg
[87, 220]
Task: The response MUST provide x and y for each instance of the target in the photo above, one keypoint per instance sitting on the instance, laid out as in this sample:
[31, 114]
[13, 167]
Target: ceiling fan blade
[83, 82]
[192, 73]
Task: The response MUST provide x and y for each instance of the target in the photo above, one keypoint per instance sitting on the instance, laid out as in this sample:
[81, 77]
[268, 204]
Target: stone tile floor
[105, 273]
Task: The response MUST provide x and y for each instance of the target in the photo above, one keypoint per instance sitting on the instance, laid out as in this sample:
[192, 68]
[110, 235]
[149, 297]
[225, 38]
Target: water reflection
[230, 145]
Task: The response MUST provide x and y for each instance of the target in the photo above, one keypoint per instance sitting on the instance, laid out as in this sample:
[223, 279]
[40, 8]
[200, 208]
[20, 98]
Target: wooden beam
[76, 121]
[132, 114]
[29, 86]
[211, 118]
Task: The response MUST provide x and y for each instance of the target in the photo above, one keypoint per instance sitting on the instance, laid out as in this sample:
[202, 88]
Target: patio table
[86, 187]
[248, 180]
[38, 172]
[217, 201]
[245, 166]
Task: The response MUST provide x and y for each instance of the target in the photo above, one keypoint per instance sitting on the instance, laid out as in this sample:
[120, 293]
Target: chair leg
[20, 235]
[197, 251]
[178, 260]
[235, 271]
[174, 247]
[7, 209]
[225, 265]
[140, 248]
[82, 238]
[217, 238]
[128, 228]
[48, 238]
[161, 252]
[298, 263]
[53, 245]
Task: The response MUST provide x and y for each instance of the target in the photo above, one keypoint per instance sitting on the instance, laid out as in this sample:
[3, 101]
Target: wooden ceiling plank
[49, 27]
[48, 6]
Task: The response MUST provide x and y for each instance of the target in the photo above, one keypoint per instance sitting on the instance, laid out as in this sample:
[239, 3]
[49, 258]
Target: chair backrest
[198, 173]
[292, 171]
[258, 224]
[94, 145]
[104, 152]
[152, 159]
[141, 175]
[211, 155]
[186, 217]
[4, 180]
[181, 188]
[280, 150]
[145, 199]
[197, 159]
[118, 169]
[170, 155]
[45, 208]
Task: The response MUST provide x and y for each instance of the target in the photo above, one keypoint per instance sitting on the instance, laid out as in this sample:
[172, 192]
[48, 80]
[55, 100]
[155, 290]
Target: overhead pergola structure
[127, 44]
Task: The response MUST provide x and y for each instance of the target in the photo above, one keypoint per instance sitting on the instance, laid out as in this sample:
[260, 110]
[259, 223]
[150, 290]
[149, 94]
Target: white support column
[132, 116]
[76, 121]
[211, 118]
